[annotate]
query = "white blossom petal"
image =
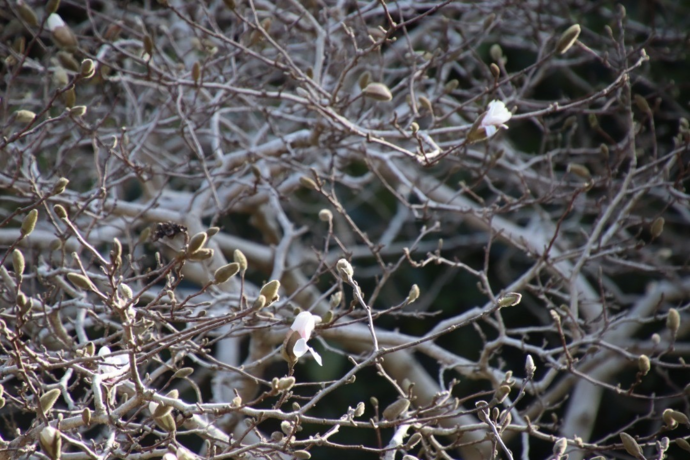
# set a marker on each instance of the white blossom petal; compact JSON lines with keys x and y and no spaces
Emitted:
{"x":300,"y":348}
{"x":490,"y":130}
{"x":497,"y":115}
{"x":316,"y":356}
{"x":304,"y":324}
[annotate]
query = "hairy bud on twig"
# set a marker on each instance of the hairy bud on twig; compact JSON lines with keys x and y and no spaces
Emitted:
{"x":49,"y":399}
{"x":286,"y":383}
{"x":396,"y":409}
{"x":226,"y":272}
{"x":378,"y":92}
{"x":86,"y":416}
{"x":501,"y":394}
{"x":359,"y":410}
{"x":197,"y":242}
{"x":60,"y":186}
{"x":683,"y":444}
{"x":579,"y":170}
{"x":643,"y":364}
{"x":495,"y":70}
{"x":631,"y":446}
{"x":259,"y":303}
{"x":307,"y":182}
{"x":18,"y":263}
{"x":414,"y":294}
{"x":344,"y":269}
{"x":530,"y":367}
{"x":239,"y":257}
{"x":559,"y":446}
{"x":509,"y":299}
{"x":78,"y":111}
{"x":24,"y":116}
{"x":29,"y":223}
{"x":325,"y":215}
{"x":27,"y":14}
{"x":52,"y":6}
{"x":568,"y":39}
{"x":88,"y":69}
{"x":301,"y":454}
{"x":80,"y":281}
{"x":496,"y":52}
{"x":51,"y":442}
{"x":270,"y":291}
{"x":364,"y":79}
{"x":673,"y":321}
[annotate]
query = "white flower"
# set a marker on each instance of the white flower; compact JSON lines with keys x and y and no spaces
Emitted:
{"x":54,"y":21}
{"x":113,"y":365}
{"x":495,"y":117}
{"x":304,"y":325}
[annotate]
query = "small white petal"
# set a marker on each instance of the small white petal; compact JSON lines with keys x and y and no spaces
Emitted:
{"x":490,"y":130}
{"x":54,"y":21}
{"x":300,"y":348}
{"x":316,"y":356}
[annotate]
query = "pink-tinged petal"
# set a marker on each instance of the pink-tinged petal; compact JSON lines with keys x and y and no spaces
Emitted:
{"x":316,"y":356}
{"x":304,"y":324}
{"x":300,"y":348}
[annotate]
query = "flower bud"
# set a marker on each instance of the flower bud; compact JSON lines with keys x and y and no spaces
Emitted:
{"x":60,"y":186}
{"x":325,"y":215}
{"x":679,"y":417}
{"x":86,"y":416}
{"x":495,"y":70}
{"x":286,"y":427}
{"x":496,"y":52}
{"x":52,"y":6}
{"x":18,"y":262}
{"x":307,"y":182}
{"x":69,"y":97}
{"x":568,"y":39}
{"x":579,"y":170}
{"x":451,"y":86}
{"x":377,"y":92}
{"x":631,"y":446}
{"x":259,"y":303}
{"x":643,"y":364}
{"x":301,"y":454}
{"x":239,"y":257}
{"x":62,"y":34}
{"x":51,"y":442}
{"x":88,"y":69}
{"x":48,"y":400}
{"x":642,"y":104}
{"x":530,"y":367}
{"x":286,"y":383}
{"x":364,"y":79}
{"x":183,"y":373}
{"x":78,"y":111}
{"x":683,"y":444}
{"x":196,"y":242}
{"x":60,"y":211}
{"x":673,"y":321}
{"x":270,"y":291}
{"x":414,"y":294}
{"x":29,"y":223}
{"x":502,"y":393}
{"x":24,"y":116}
{"x":80,"y":281}
{"x":396,"y":409}
{"x":344,"y":269}
{"x":559,"y":446}
{"x":226,"y":272}
{"x":359,"y":410}
{"x":236,"y":402}
{"x":509,"y":299}
{"x":413,"y":441}
{"x":27,"y":13}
